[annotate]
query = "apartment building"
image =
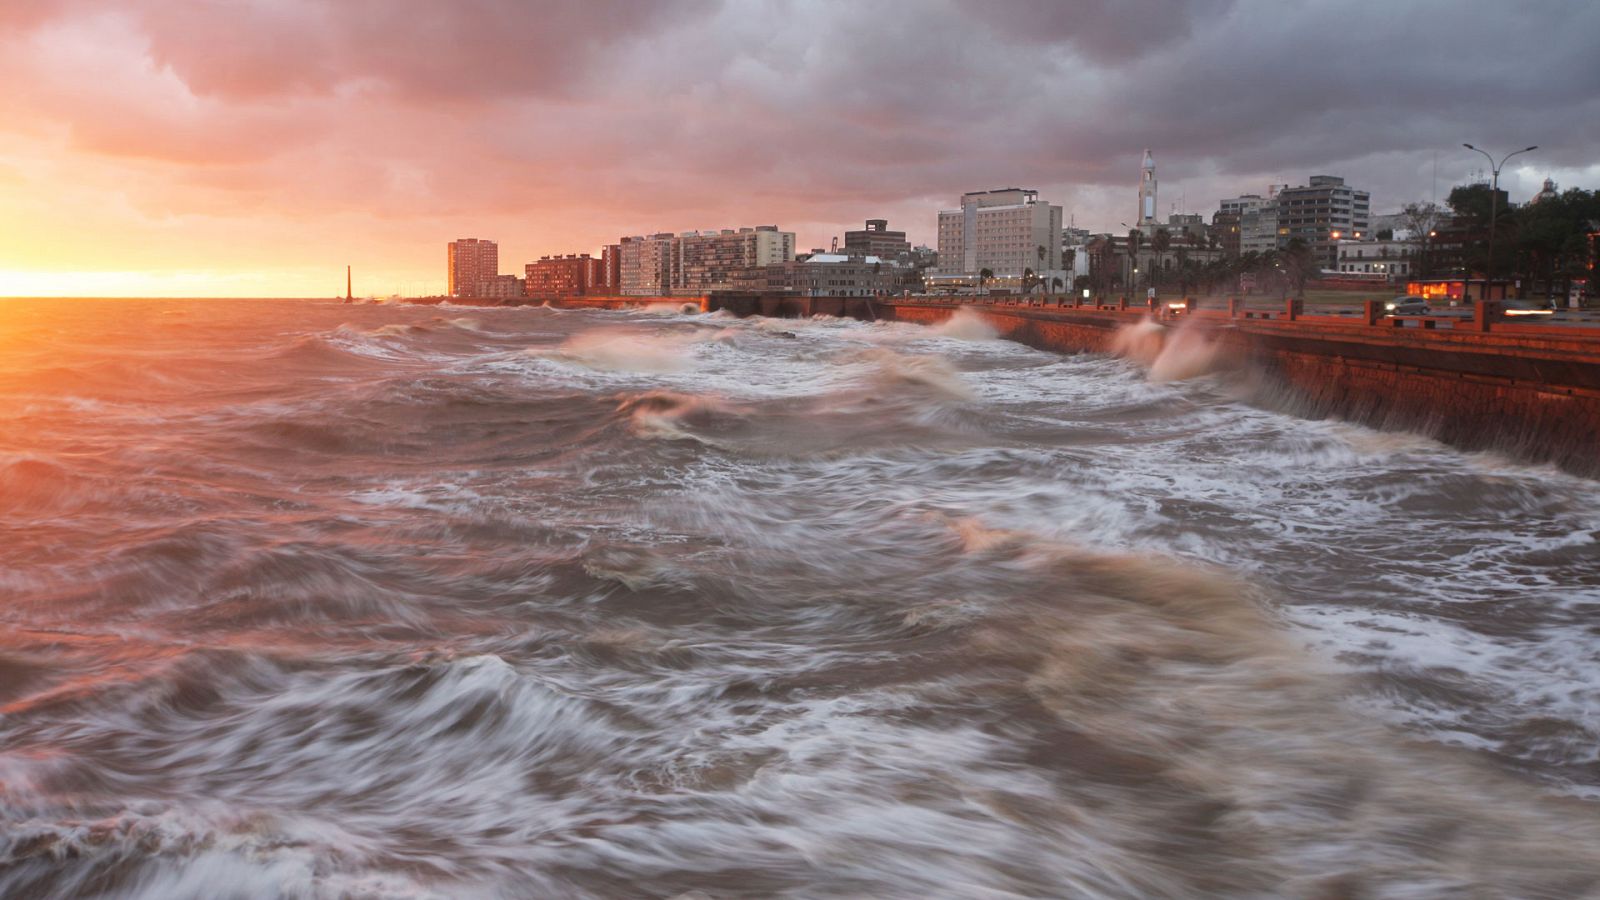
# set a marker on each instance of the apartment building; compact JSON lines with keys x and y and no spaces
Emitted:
{"x":499,"y":287}
{"x":611,"y":268}
{"x":1323,"y":213}
{"x":1005,"y":231}
{"x":697,"y":262}
{"x":645,"y":264}
{"x":827,"y":275}
{"x":470,"y":261}
{"x":877,"y":240}
{"x":1391,"y":258}
{"x":572,"y":275}
{"x":1247,"y":223}
{"x":709,"y":260}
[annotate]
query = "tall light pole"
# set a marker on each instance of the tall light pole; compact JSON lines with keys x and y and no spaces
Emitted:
{"x":1133,"y":253}
{"x":1494,"y":206}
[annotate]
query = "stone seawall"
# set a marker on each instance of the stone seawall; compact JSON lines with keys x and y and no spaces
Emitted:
{"x":1529,"y":390}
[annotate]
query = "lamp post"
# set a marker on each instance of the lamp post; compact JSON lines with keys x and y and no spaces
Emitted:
{"x":1494,"y":207}
{"x":1133,"y":253}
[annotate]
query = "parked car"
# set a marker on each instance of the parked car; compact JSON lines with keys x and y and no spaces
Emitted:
{"x":1407,"y":305}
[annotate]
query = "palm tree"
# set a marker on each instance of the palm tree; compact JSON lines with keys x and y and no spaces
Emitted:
{"x":983,"y":277}
{"x":1056,"y":283}
{"x":1247,"y":263}
{"x":1135,"y":238}
{"x":1299,"y":263}
{"x":1041,"y":251}
{"x":1190,"y":273}
{"x":1160,"y":244}
{"x":1028,"y":281}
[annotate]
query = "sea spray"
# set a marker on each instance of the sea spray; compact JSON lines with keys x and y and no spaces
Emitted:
{"x":670,"y":308}
{"x":1167,"y":353}
{"x":1141,"y":342}
{"x":1187,"y":353}
{"x":966,"y":325}
{"x":628,"y":350}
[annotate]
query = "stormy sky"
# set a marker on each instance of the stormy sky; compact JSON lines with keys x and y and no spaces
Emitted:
{"x":257,"y":146}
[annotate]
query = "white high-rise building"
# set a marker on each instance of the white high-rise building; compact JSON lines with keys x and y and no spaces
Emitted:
{"x":645,"y":267}
{"x":1005,"y":231}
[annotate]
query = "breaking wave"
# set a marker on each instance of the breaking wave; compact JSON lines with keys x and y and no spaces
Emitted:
{"x":622,"y":350}
{"x":1168,"y":354}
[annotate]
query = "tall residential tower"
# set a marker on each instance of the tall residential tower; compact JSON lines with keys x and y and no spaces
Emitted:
{"x":472,"y":261}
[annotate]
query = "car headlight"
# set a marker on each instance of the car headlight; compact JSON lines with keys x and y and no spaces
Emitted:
{"x":1389,"y":307}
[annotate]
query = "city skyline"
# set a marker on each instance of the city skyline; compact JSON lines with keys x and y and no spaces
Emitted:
{"x":258,"y":150}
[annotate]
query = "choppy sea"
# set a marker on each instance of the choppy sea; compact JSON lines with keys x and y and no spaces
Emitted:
{"x":304,"y":599}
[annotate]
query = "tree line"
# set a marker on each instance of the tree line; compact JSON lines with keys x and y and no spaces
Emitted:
{"x":1545,"y":244}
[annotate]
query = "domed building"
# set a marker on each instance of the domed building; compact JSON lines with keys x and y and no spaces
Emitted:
{"x":1547,"y":192}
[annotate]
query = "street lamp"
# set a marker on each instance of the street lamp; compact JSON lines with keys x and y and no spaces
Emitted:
{"x":1494,"y":206}
{"x":1131,"y":269}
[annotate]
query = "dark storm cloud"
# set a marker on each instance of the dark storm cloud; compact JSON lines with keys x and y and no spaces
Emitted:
{"x":641,"y":114}
{"x":1102,"y":31}
{"x":462,"y":49}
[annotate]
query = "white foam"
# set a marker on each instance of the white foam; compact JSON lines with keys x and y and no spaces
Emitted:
{"x":618,"y":350}
{"x":966,"y":325}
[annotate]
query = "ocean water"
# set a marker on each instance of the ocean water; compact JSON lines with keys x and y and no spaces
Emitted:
{"x":301,"y":599}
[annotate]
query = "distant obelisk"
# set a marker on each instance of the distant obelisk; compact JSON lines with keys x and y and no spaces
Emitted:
{"x":348,"y":297}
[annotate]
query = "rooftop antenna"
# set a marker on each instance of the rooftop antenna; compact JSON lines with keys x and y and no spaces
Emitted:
{"x":1435,"y":198}
{"x":347,"y":295}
